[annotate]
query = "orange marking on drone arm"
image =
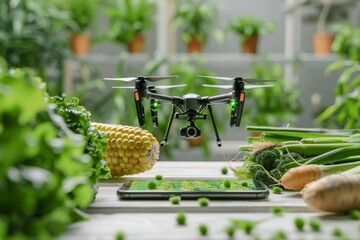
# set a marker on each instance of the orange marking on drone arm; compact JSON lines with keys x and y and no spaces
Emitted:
{"x":242,"y":97}
{"x":137,"y":98}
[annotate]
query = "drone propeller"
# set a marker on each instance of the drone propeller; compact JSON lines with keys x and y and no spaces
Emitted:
{"x":247,"y":80}
{"x":128,"y":87}
{"x":231,"y":86}
{"x":128,"y":79}
{"x":157,"y":87}
{"x":169,"y":86}
{"x":148,"y":78}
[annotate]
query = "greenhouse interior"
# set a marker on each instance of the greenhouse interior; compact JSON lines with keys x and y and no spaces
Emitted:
{"x":179,"y":119}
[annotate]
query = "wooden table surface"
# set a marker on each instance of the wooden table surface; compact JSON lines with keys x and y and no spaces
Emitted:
{"x":156,"y":219}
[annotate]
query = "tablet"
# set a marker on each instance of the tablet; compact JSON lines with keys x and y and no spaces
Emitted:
{"x":192,"y":189}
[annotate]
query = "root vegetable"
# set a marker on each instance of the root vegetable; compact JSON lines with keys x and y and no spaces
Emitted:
{"x":334,"y":193}
{"x":296,"y":178}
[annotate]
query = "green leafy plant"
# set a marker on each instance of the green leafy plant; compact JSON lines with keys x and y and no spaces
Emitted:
{"x":345,"y":112}
{"x":46,"y":182}
{"x":196,"y":19}
{"x":77,"y":118}
{"x":30,"y":36}
{"x":250,"y":26}
{"x":127,"y":18}
{"x":346,"y":43}
{"x":272,"y":106}
{"x":82,"y":13}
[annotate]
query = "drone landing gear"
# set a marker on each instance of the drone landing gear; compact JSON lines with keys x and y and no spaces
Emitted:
{"x":218,"y":141}
{"x":165,"y":141}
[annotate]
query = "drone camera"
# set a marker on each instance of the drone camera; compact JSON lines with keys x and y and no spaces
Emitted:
{"x":190,"y":132}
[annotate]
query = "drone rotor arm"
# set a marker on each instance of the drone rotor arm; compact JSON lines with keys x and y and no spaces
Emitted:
{"x":160,"y":97}
{"x":219,"y":98}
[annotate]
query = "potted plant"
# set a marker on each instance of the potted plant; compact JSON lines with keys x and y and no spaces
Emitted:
{"x":274,"y":106}
{"x":128,"y":20}
{"x":322,"y":39}
{"x":196,"y":19}
{"x":248,"y":29}
{"x":82,"y":13}
{"x":323,"y":12}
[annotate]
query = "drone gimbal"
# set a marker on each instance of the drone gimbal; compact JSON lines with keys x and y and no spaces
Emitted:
{"x":190,"y":107}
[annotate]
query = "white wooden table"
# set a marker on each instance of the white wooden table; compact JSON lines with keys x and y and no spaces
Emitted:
{"x":157,"y":219}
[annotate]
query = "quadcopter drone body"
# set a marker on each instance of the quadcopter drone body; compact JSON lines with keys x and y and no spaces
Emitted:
{"x":190,"y":107}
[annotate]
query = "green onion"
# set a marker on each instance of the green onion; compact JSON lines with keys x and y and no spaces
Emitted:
{"x":312,"y":150}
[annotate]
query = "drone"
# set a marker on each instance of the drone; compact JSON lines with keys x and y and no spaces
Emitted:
{"x":190,"y":107}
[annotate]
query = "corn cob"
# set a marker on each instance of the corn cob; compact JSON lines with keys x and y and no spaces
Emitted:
{"x":129,"y":149}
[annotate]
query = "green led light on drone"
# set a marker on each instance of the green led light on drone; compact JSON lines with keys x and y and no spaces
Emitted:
{"x":233,"y":103}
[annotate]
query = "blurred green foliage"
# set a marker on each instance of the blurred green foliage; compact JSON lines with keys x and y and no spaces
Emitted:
{"x":196,"y":19}
{"x":127,"y":18}
{"x":30,"y":36}
{"x":249,"y":26}
{"x":345,"y":112}
{"x":273,"y":106}
{"x":43,"y":169}
{"x":82,"y":13}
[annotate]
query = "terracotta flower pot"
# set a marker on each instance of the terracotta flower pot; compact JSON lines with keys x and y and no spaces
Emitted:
{"x":194,"y":46}
{"x":250,"y":45}
{"x":80,"y":44}
{"x":137,"y":44}
{"x":322,"y":43}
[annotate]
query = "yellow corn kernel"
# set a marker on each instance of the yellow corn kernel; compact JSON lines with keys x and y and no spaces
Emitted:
{"x":124,"y":143}
{"x":133,"y":160}
{"x":147,"y":144}
{"x":145,"y":138}
{"x":121,"y":152}
{"x":136,"y":153}
{"x":131,"y":144}
{"x":128,"y":152}
{"x":118,"y":142}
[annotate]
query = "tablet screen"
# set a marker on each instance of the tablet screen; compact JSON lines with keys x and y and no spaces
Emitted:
{"x":195,"y":185}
